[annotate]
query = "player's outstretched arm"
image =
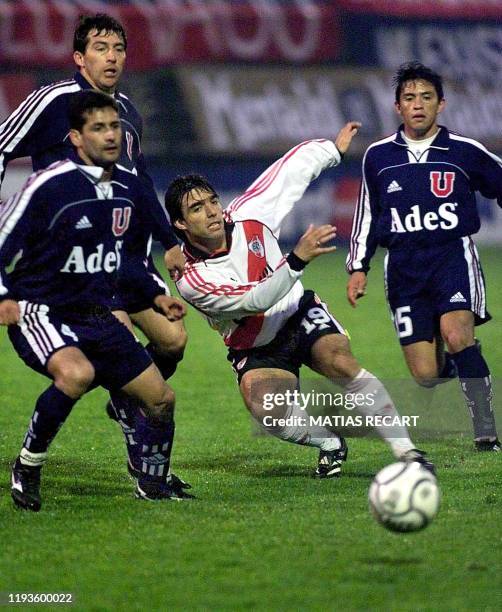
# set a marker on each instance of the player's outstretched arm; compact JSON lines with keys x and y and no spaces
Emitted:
{"x":311,"y":243}
{"x":345,"y":136}
{"x":356,"y":287}
{"x":9,"y":312}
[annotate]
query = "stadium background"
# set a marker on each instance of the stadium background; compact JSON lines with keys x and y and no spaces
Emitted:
{"x":224,"y":88}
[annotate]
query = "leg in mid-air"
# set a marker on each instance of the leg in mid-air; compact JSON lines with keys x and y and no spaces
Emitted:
{"x":166,"y":347}
{"x":72,"y":374}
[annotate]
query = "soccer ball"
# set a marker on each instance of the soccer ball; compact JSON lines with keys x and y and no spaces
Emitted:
{"x":404,"y":497}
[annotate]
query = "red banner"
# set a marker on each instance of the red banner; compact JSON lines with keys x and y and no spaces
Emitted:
{"x":41,"y":33}
{"x":453,"y":9}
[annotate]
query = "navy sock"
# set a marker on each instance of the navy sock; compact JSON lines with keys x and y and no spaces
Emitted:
{"x":167,"y":364}
{"x":152,"y":453}
{"x":125,"y":408}
{"x":51,"y":410}
{"x":449,"y":369}
{"x":476,"y":384}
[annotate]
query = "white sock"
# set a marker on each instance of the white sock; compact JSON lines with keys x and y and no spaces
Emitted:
{"x":301,"y":432}
{"x":396,"y":436}
{"x":26,"y":457}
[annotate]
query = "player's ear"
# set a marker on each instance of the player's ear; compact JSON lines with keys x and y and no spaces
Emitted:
{"x":441,"y":106}
{"x":78,"y":58}
{"x":76,"y":138}
{"x":179,"y":224}
{"x":397,"y":107}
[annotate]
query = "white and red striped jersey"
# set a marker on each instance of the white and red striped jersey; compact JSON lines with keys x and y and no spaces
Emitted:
{"x":248,"y":292}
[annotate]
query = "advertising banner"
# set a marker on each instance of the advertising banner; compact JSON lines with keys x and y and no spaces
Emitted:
{"x":257,"y":111}
{"x":410,"y":9}
{"x":166,"y":32}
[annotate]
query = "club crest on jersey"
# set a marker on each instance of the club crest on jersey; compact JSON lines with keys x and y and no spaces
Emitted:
{"x":442,"y":183}
{"x":121,"y":218}
{"x":256,"y":247}
{"x":129,"y":142}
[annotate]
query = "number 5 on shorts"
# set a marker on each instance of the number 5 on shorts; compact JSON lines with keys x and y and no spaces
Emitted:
{"x":403,"y":323}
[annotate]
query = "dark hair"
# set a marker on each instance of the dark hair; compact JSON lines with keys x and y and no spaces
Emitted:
{"x":413,"y":71}
{"x":85,"y":101}
{"x":176,"y":192}
{"x":99,"y":22}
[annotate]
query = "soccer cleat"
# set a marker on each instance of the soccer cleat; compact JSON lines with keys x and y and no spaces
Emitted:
{"x":25,"y":489}
{"x":110,"y":411}
{"x":329,"y":464}
{"x":136,"y":474}
{"x":171,"y":489}
{"x":419,"y":456}
{"x":488,"y":446}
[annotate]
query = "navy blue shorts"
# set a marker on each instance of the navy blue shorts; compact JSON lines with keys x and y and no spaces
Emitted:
{"x":114,"y":352}
{"x":128,"y":298}
{"x":292,"y":346}
{"x":424,"y":284}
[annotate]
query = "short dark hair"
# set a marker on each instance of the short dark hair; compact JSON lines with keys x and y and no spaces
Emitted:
{"x":101,"y":22}
{"x":83,"y":102}
{"x":412,"y":71}
{"x":177,"y":190}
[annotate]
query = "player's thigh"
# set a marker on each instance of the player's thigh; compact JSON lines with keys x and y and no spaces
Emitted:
{"x":70,"y":364}
{"x":167,"y":336}
{"x":332,"y":357}
{"x":265,"y":391}
{"x":150,"y":388}
{"x":457,"y":329}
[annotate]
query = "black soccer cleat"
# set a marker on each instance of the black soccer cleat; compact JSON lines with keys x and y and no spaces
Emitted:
{"x":419,"y":456}
{"x":488,"y":446}
{"x":329,"y":464}
{"x":171,"y":489}
{"x":25,"y":488}
{"x":136,"y":474}
{"x":110,"y":411}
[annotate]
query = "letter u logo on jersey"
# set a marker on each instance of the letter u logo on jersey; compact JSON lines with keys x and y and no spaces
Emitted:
{"x":121,"y":218}
{"x":442,"y":183}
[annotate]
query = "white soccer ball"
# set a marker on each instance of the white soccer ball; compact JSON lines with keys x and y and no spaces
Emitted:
{"x":404,"y":497}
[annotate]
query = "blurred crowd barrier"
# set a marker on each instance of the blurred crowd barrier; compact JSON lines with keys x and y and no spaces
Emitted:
{"x":225,"y":87}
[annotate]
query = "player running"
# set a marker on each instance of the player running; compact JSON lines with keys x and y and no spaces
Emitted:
{"x":77,"y":224}
{"x":237,"y":276}
{"x":417,"y":199}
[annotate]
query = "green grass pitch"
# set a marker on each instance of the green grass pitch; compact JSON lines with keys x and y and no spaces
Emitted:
{"x":262,"y":534}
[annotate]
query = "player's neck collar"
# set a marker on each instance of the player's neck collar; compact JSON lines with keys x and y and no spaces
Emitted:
{"x":195,"y":253}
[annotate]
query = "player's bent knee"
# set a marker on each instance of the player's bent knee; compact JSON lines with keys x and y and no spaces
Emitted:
{"x":458,"y":339}
{"x":74,"y":378}
{"x":425,"y":375}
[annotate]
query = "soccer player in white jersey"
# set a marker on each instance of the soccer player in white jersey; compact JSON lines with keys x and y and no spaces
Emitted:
{"x":237,"y":276}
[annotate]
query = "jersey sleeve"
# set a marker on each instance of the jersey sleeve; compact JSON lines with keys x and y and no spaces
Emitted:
{"x":213,"y":294}
{"x":155,"y":218}
{"x":19,"y":223}
{"x":37,"y":126}
{"x":486,"y":174}
{"x":274,"y":193}
{"x":363,"y":237}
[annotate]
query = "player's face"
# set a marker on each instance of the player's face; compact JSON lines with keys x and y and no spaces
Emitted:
{"x":419,"y":107}
{"x":98,"y":144}
{"x":203,"y":219}
{"x":103,"y":60}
